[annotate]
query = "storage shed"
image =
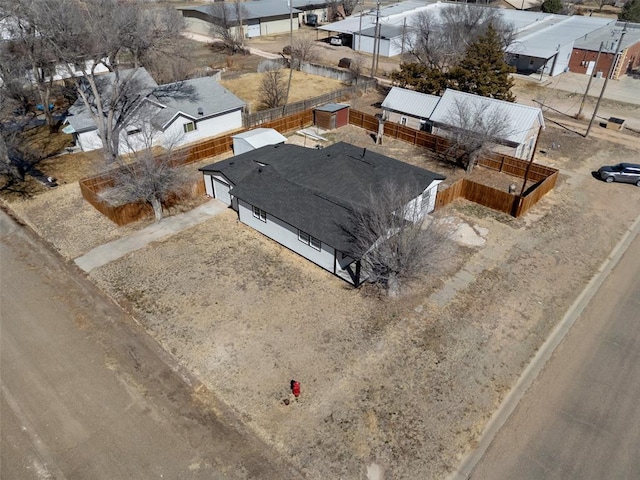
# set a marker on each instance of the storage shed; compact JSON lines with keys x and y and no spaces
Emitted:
{"x":256,"y":138}
{"x":331,"y":115}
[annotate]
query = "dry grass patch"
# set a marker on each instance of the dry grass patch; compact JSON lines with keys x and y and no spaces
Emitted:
{"x":303,"y":86}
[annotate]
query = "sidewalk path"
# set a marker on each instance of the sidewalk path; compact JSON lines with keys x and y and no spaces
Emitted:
{"x":167,"y":227}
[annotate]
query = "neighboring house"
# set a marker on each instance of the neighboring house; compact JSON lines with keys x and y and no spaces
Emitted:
{"x":410,"y":108}
{"x":304,"y":198}
{"x":263,"y":17}
{"x":523,"y":122}
{"x":439,"y":115}
{"x":256,"y":138}
{"x":168,"y":115}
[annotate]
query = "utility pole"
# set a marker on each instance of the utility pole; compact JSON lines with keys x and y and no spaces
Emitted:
{"x":606,"y":80}
{"x":586,"y":92}
{"x":376,"y":39}
{"x":286,"y":98}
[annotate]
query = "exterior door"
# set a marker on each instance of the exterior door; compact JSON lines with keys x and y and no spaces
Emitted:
{"x":253,"y":30}
{"x":590,"y":66}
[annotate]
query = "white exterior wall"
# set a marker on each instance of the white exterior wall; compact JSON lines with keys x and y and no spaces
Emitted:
{"x":208,"y":185}
{"x":286,"y":235}
{"x":561,"y":63}
{"x":240,"y":145}
{"x":416,"y":208}
{"x":366,"y":43}
{"x":411,"y":121}
{"x":209,"y":127}
{"x":270,"y":27}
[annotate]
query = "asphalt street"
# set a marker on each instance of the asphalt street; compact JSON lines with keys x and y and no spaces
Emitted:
{"x":87,"y":394}
{"x":581,"y":417}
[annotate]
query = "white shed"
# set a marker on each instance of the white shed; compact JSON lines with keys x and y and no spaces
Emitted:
{"x":256,"y":138}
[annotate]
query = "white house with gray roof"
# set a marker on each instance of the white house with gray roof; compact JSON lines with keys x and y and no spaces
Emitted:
{"x":304,"y":198}
{"x":167,"y":115}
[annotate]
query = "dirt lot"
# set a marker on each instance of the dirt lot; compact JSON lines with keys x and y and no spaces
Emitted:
{"x":404,"y":384}
{"x":247,"y":87}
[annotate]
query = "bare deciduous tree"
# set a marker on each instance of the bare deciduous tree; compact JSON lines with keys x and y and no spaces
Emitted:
{"x":303,"y":50}
{"x":394,"y":237}
{"x":148,"y":177}
{"x":84,"y":34}
{"x":440,"y":42}
{"x":474,"y":129}
{"x":357,"y":66}
{"x":273,"y":88}
{"x":227,"y":24}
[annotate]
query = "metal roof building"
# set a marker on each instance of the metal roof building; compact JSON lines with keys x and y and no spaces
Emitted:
{"x":519,"y":117}
{"x":414,"y":103}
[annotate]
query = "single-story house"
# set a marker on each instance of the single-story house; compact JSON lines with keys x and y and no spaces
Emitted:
{"x":168,"y":115}
{"x":439,"y":115}
{"x":522,"y":122}
{"x":259,"y":18}
{"x":410,"y":108}
{"x":304,"y":198}
{"x":256,"y":138}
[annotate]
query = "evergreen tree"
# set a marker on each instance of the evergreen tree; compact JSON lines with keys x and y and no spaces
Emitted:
{"x":630,"y":11}
{"x":420,"y":78}
{"x":551,"y":6}
{"x":483,"y":70}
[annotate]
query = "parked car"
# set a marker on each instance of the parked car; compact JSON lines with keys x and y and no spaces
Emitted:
{"x":623,"y":172}
{"x":336,"y":41}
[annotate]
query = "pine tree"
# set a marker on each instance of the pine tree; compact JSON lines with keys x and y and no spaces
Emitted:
{"x":483,"y":70}
{"x":551,"y":6}
{"x":420,"y":78}
{"x":631,"y":11}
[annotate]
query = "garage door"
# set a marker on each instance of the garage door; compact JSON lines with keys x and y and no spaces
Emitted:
{"x":221,"y":191}
{"x":253,"y":30}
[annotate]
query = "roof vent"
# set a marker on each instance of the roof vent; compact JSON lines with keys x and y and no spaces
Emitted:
{"x":200,"y":111}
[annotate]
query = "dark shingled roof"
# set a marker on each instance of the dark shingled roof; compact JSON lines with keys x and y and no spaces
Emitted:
{"x":316,"y":190}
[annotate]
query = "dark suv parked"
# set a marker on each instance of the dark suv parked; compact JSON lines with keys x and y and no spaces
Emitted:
{"x":623,"y":172}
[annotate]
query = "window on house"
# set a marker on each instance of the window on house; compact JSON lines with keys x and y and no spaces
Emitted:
{"x":309,"y":240}
{"x":189,"y":127}
{"x":315,"y":243}
{"x":260,"y":214}
{"x":403,"y":120}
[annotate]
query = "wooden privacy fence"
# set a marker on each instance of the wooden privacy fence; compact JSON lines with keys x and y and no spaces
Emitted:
{"x":132,"y":212}
{"x":265,"y":116}
{"x":544,"y":177}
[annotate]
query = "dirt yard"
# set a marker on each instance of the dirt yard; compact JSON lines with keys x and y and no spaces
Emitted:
{"x":404,"y":384}
{"x":247,"y":87}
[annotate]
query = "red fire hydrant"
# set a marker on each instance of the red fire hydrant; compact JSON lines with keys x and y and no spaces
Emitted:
{"x":295,"y":388}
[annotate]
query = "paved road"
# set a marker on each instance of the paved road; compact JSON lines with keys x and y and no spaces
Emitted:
{"x":581,"y":418}
{"x":86,"y":394}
